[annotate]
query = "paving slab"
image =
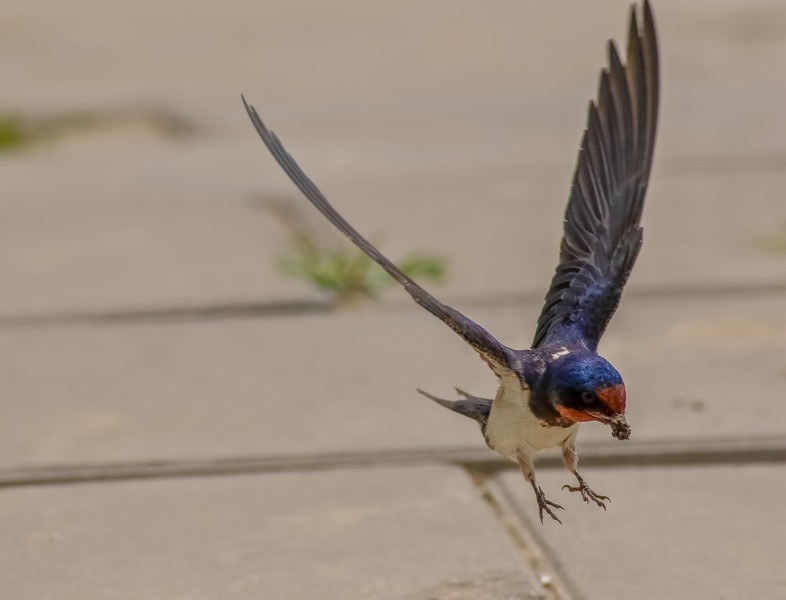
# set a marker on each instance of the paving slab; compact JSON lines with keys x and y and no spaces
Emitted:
{"x":134,"y":230}
{"x":713,"y":533}
{"x":415,"y":534}
{"x":183,"y":226}
{"x":294,"y":53}
{"x":696,"y":368}
{"x":447,"y":153}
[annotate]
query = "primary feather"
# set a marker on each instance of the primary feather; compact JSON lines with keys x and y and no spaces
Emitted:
{"x":602,"y":234}
{"x":497,"y":355}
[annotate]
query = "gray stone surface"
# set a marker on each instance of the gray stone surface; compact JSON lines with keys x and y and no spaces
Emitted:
{"x":465,"y":151}
{"x":140,"y":227}
{"x":386,"y":533}
{"x":179,"y":225}
{"x":275,"y":386}
{"x":448,"y":126}
{"x":702,"y":367}
{"x":692,"y":532}
{"x":303,"y":54}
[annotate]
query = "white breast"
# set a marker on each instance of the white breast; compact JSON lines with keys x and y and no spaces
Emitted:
{"x":512,"y":426}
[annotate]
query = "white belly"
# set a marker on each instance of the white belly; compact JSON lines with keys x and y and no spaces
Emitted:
{"x":512,"y":426}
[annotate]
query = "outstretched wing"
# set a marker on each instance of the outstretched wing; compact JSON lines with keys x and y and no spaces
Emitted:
{"x":602,"y":233}
{"x":477,"y":337}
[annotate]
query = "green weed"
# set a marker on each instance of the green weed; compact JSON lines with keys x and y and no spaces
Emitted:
{"x":12,"y":132}
{"x":773,"y":242}
{"x":343,"y":271}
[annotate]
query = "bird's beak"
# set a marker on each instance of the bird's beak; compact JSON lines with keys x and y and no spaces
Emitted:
{"x":613,"y":398}
{"x":619,"y":426}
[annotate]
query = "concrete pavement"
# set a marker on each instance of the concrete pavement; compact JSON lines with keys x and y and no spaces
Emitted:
{"x":687,"y":532}
{"x":182,"y":421}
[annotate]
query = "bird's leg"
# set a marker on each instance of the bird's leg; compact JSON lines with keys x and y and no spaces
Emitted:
{"x":571,"y":460}
{"x":528,"y":470}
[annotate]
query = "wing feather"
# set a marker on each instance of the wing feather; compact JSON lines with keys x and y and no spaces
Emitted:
{"x":602,"y":234}
{"x":482,"y":341}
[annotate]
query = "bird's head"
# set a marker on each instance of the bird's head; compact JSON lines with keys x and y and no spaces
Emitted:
{"x":583,"y":386}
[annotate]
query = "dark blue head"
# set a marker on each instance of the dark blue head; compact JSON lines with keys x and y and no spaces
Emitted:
{"x":583,"y":386}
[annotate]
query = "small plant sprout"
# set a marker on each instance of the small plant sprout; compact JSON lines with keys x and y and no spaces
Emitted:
{"x":18,"y":130}
{"x":775,"y":241}
{"x":12,"y":132}
{"x":339,"y":269}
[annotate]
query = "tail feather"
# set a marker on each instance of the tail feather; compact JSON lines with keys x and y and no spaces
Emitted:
{"x":475,"y":408}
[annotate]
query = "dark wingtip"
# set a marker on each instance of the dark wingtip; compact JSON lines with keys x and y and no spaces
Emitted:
{"x":249,"y":108}
{"x":647,"y":11}
{"x":614,"y":56}
{"x":262,"y":130}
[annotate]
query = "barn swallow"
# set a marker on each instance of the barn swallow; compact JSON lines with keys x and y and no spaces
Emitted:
{"x":547,"y":391}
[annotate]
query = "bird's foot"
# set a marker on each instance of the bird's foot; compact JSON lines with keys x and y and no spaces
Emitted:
{"x":587,"y":493}
{"x":545,"y":505}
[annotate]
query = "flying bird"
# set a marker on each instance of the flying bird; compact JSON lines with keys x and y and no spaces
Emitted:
{"x":547,"y":391}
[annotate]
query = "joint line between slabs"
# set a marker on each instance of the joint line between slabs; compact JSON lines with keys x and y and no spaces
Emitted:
{"x":548,"y":577}
{"x":643,"y":454}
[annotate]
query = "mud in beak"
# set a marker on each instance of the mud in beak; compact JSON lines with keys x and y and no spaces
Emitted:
{"x":619,"y":426}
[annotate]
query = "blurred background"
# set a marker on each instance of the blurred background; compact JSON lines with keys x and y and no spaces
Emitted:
{"x":147,"y":318}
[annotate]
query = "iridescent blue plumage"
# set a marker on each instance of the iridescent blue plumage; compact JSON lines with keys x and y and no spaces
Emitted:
{"x":581,"y":371}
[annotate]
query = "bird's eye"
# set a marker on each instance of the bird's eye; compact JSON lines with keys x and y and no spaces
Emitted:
{"x":587,"y":397}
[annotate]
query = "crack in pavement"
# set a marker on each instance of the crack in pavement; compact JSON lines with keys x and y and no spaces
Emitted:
{"x":548,"y":583}
{"x":301,"y":306}
{"x":478,"y":459}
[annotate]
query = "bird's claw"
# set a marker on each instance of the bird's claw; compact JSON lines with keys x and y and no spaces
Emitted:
{"x":544,"y":504}
{"x":587,"y":494}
